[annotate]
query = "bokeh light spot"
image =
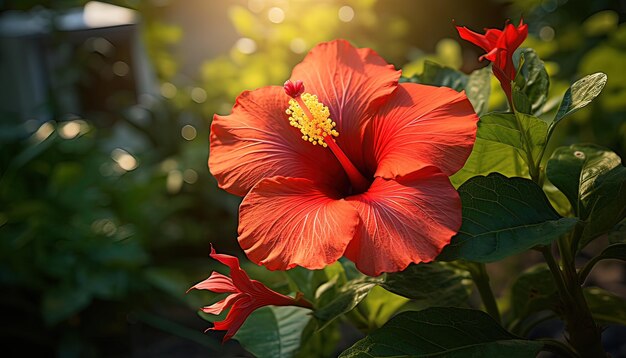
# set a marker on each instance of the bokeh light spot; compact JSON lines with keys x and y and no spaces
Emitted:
{"x":297,"y":45}
{"x":168,"y":90}
{"x":70,"y":129}
{"x":44,"y":131}
{"x":124,"y":159}
{"x":188,"y":132}
{"x":198,"y":95}
{"x":174,"y":181}
{"x":120,"y":68}
{"x":546,"y":33}
{"x":246,"y":45}
{"x":276,"y":15}
{"x":346,"y":13}
{"x":190,"y":176}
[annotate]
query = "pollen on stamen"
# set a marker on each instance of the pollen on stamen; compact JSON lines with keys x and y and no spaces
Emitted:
{"x":315,"y":129}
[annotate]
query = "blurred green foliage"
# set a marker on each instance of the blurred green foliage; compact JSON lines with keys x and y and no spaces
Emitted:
{"x":102,"y":227}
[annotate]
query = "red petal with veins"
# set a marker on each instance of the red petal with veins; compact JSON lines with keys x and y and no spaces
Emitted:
{"x":420,"y":126}
{"x":217,"y":283}
{"x":218,"y":307}
{"x":487,"y":41}
{"x":407,"y":220}
{"x":256,"y":141}
{"x":239,"y":312}
{"x":284,"y":222}
{"x":352,"y":83}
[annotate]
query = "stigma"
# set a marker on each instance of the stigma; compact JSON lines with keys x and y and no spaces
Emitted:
{"x":313,"y":120}
{"x":309,"y":115}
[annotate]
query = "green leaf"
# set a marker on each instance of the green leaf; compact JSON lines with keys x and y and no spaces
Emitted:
{"x":533,"y":291}
{"x":580,"y":94}
{"x":605,"y":307}
{"x":435,"y":74}
{"x":379,"y":305}
{"x":537,"y":81}
{"x":319,"y":343}
{"x":302,"y":280}
{"x":433,"y":284}
{"x":502,"y":217}
{"x":520,"y":101}
{"x":478,"y":88}
{"x":615,"y":252}
{"x":477,"y":85}
{"x":594,"y":181}
{"x":488,"y":157}
{"x":442,"y":332}
{"x":525,"y":133}
{"x":273,"y":331}
{"x":343,"y":300}
{"x":618,"y":233}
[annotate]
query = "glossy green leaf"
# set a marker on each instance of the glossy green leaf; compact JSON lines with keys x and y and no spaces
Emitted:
{"x":379,"y":305}
{"x":433,"y":284}
{"x":605,"y":307}
{"x":274,"y":331}
{"x":525,"y":133}
{"x":533,"y":291}
{"x":442,"y":332}
{"x":489,"y":157}
{"x":343,"y":299}
{"x":435,"y":74}
{"x":594,"y":182}
{"x":520,"y":101}
{"x":503,"y":217}
{"x":316,"y":343}
{"x":580,"y":94}
{"x":478,"y":88}
{"x":537,"y":81}
{"x":476,"y":85}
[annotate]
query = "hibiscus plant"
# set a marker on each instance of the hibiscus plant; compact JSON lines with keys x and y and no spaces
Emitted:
{"x":380,"y":199}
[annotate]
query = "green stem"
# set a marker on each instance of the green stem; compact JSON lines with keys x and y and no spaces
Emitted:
{"x":583,"y":332}
{"x":554,"y":269}
{"x":481,"y":279}
{"x":584,"y":272}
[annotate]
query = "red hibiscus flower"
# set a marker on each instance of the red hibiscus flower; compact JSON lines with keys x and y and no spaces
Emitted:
{"x":499,"y":45}
{"x":246,"y":295}
{"x":357,"y":165}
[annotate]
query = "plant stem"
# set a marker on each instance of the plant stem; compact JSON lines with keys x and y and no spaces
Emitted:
{"x":555,"y":269}
{"x":583,"y":332}
{"x":481,"y":279}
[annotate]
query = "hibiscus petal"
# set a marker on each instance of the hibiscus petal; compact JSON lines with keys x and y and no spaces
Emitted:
{"x":407,"y":220}
{"x":284,"y":222}
{"x":218,"y":307}
{"x":486,"y":41}
{"x":351,"y":82}
{"x":217,"y":283}
{"x":421,"y":126}
{"x":256,"y":141}
{"x":239,"y":312}
{"x":240,"y":278}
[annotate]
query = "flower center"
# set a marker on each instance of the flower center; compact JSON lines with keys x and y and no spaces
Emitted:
{"x":313,"y":120}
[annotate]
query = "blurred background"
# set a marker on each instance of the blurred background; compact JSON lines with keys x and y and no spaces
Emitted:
{"x":107,"y":207}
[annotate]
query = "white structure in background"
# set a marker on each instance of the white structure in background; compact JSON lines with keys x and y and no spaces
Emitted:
{"x":36,"y":45}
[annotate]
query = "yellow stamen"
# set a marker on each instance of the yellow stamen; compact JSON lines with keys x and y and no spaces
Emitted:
{"x":311,"y":117}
